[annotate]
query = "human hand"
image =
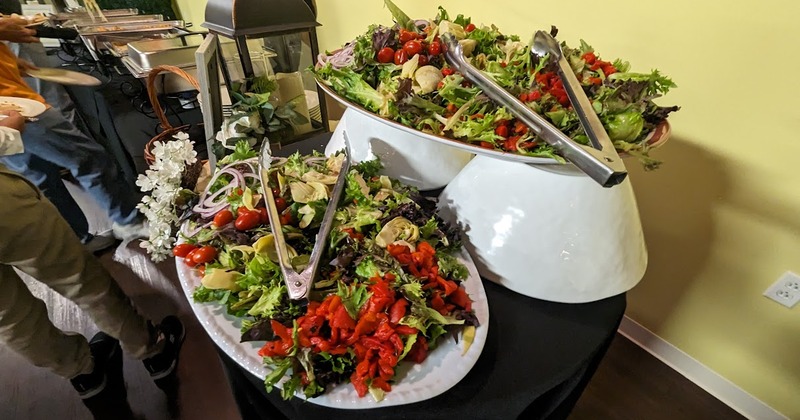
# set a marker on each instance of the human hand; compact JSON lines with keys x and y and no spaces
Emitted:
{"x":13,"y":119}
{"x":14,"y":30}
{"x":25,"y":66}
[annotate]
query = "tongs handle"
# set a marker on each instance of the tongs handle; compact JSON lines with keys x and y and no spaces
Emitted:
{"x":583,"y":107}
{"x":605,"y":169}
{"x":264,"y":163}
{"x":330,"y":212}
{"x":298,"y":285}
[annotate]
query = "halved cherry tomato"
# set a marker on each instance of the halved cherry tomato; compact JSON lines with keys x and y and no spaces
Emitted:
{"x":189,"y":258}
{"x":264,"y":216}
{"x":487,"y":145}
{"x":281,"y":204}
{"x":406,"y":36}
{"x":400,"y":57}
{"x":412,"y":48}
{"x":435,"y":48}
{"x":248,"y":220}
{"x":523,"y":97}
{"x":501,"y":130}
{"x":204,"y":255}
{"x":286,"y":217}
{"x":385,"y":55}
{"x":182,"y":250}
{"x":469,"y":28}
{"x":223,"y":218}
{"x":534,"y":96}
{"x":447,"y":71}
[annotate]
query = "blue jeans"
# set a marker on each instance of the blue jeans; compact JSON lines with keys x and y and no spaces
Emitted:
{"x":53,"y":143}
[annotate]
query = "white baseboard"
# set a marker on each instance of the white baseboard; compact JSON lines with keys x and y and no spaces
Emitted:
{"x":721,"y":388}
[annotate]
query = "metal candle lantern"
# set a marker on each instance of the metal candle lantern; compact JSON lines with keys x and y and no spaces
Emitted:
{"x":276,"y":38}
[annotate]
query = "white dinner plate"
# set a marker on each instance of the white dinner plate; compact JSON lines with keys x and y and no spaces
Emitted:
{"x":64,"y":77}
{"x":443,"y":369}
{"x":27,"y":107}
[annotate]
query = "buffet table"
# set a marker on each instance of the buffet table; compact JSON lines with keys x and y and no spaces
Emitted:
{"x":536,"y":362}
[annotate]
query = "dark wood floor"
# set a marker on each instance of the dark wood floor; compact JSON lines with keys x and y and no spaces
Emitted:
{"x":631,"y":384}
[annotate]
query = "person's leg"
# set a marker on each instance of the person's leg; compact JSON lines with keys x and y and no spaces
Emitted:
{"x":40,"y":243}
{"x":47,"y":177}
{"x":58,"y":141}
{"x":26,"y":329}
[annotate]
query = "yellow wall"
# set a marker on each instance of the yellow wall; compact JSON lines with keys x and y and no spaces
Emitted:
{"x":722,"y":217}
{"x":193,"y":11}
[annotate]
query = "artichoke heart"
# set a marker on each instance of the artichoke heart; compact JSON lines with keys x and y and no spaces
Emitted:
{"x":306,"y":192}
{"x":398,"y":229}
{"x":221,"y":279}
{"x":314,"y":176}
{"x":308,"y":213}
{"x":334,"y":163}
{"x":447,"y":27}
{"x":266,"y":246}
{"x":426,"y":79}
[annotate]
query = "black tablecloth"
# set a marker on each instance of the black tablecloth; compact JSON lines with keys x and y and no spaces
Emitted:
{"x":537,"y":360}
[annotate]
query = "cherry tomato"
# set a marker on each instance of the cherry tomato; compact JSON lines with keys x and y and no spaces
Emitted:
{"x":262,"y":212}
{"x":400,"y":57}
{"x":202,"y":270}
{"x":435,"y":48}
{"x":406,"y":36}
{"x":523,"y":97}
{"x":204,"y":255}
{"x":447,"y":71}
{"x":286,"y":218}
{"x":248,"y":220}
{"x":281,"y":204}
{"x":423,"y":60}
{"x":501,"y":130}
{"x":276,"y":192}
{"x":589,"y":57}
{"x":189,"y":259}
{"x":486,"y":145}
{"x":412,"y":48}
{"x":469,"y":28}
{"x":534,"y":96}
{"x":183,"y":250}
{"x":223,"y":218}
{"x":385,"y":55}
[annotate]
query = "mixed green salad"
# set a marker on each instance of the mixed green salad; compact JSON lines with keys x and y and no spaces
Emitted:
{"x":389,"y":288}
{"x":399,"y":72}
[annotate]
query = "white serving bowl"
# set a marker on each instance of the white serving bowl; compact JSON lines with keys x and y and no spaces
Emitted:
{"x":415,"y":161}
{"x":548,"y":232}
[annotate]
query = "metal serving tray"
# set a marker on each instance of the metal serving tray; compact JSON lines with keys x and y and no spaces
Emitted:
{"x":60,"y":18}
{"x":87,"y":23}
{"x":113,"y":28}
{"x":178,"y":51}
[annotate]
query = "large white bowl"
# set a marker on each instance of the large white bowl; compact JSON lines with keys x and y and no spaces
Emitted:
{"x":405,"y":156}
{"x":548,"y":232}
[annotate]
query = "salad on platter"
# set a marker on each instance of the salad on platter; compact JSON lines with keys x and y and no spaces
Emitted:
{"x":400,"y":73}
{"x":389,"y":288}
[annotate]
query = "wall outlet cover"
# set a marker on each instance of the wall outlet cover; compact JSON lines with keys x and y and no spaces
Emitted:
{"x":786,"y":290}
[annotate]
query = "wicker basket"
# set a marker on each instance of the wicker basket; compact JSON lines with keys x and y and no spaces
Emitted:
{"x":169,"y":130}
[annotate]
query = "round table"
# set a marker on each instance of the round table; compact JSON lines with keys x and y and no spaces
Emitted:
{"x":537,"y":360}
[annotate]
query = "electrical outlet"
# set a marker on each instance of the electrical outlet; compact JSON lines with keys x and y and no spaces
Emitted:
{"x":786,"y":290}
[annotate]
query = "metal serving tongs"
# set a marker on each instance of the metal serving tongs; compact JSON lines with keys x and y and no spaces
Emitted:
{"x":299,"y":284}
{"x":601,"y":163}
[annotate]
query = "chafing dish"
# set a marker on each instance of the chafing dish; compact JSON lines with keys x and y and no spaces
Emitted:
{"x":59,"y":18}
{"x":83,"y":22}
{"x":96,"y":37}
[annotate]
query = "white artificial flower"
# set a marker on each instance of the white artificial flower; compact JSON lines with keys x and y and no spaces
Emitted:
{"x":163,"y":182}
